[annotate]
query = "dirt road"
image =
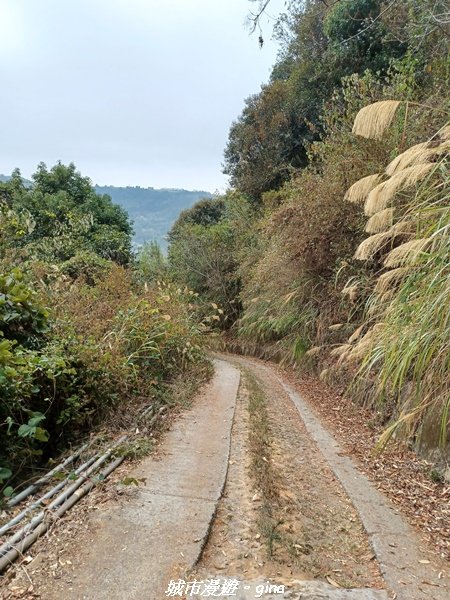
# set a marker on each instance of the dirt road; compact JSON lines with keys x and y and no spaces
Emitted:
{"x":248,"y":490}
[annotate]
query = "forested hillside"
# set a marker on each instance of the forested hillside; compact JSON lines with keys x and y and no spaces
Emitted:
{"x":85,"y":336}
{"x":331,"y":249}
{"x":325,"y":473}
{"x":153,"y":211}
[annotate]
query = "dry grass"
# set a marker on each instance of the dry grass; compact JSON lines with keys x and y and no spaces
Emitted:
{"x":366,"y":343}
{"x":388,"y":280}
{"x":265,"y":478}
{"x":374,"y":244}
{"x":444,"y":133}
{"x":383,"y":194}
{"x":406,"y":254}
{"x":412,"y":156}
{"x":340,"y":350}
{"x":416,"y":155}
{"x":358,"y":192}
{"x":373,"y":120}
{"x":406,"y":359}
{"x":380,"y":221}
{"x":351,"y":291}
{"x":314,"y":351}
{"x":356,"y":334}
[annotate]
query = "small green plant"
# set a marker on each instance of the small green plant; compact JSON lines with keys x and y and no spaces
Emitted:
{"x":32,"y":429}
{"x":436,"y":476}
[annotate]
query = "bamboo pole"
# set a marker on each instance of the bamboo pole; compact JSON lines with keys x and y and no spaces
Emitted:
{"x":7,"y":526}
{"x":147,"y":411}
{"x":157,"y":416}
{"x":35,"y":521}
{"x":24,"y":544}
{"x":34,"y":486}
{"x":28,"y":534}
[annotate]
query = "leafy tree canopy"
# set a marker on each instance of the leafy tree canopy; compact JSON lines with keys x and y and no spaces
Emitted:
{"x":68,"y":216}
{"x":205,"y":212}
{"x":320,"y":45}
{"x":201,"y":255}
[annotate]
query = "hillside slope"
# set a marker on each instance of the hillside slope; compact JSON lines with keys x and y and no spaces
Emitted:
{"x":153,"y":211}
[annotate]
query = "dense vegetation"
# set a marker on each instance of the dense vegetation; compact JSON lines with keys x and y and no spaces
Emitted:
{"x":330,"y":251}
{"x":85,"y":328}
{"x":299,"y":281}
{"x":152,"y":211}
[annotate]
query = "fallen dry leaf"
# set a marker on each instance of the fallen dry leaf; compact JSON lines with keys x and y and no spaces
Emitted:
{"x":332,"y":582}
{"x":398,"y":472}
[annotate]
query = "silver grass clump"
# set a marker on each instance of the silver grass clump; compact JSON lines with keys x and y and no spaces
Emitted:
{"x":390,"y":279}
{"x":351,"y":290}
{"x":444,"y":133}
{"x":380,"y":221}
{"x":412,"y":156}
{"x":341,"y":350}
{"x":424,"y":152}
{"x":374,"y":244}
{"x":406,"y":254}
{"x":373,"y":120}
{"x":314,"y":351}
{"x":364,"y":345}
{"x":356,"y":334}
{"x":324,"y":374}
{"x":382,"y":195}
{"x":358,"y":192}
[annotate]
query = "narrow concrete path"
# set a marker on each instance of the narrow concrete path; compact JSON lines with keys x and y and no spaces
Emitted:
{"x":407,"y":569}
{"x":159,"y":533}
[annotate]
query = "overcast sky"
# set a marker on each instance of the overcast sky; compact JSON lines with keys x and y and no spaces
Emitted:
{"x":135,"y":92}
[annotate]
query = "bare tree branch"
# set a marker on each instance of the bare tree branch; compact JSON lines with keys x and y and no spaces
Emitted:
{"x":254,"y":19}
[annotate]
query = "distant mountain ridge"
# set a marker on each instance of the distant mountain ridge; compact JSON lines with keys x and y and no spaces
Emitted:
{"x":153,"y":211}
{"x":5,"y":178}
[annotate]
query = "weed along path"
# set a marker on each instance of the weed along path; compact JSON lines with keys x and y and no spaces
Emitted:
{"x":248,"y":496}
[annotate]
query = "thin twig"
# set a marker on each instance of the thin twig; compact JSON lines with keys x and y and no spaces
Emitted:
{"x":258,"y":15}
{"x":402,"y":142}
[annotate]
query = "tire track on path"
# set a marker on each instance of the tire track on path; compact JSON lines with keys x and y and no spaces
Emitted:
{"x":408,"y":570}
